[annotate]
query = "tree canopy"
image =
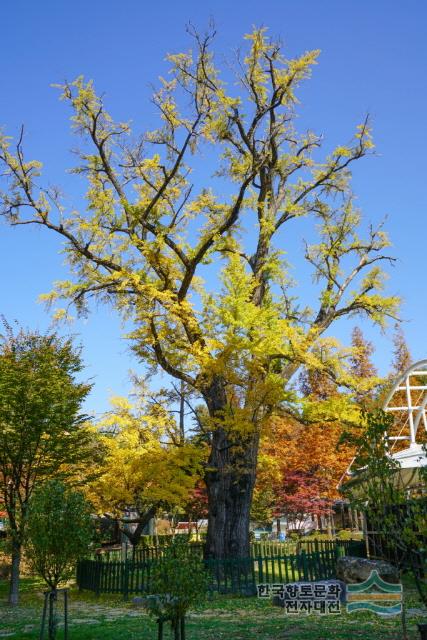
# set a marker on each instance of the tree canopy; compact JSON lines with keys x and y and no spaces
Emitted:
{"x":301,"y":464}
{"x":143,"y":471}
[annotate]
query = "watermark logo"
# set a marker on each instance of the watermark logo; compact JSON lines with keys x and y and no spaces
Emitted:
{"x":376,"y":595}
{"x":326,"y":597}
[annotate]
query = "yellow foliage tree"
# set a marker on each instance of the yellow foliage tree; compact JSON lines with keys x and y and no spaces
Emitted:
{"x":142,"y":470}
{"x":148,"y":232}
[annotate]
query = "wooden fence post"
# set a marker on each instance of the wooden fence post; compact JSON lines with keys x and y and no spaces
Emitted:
{"x":65,"y":614}
{"x":304,"y":565}
{"x":125,"y":575}
{"x":260,"y":571}
{"x":98,"y":577}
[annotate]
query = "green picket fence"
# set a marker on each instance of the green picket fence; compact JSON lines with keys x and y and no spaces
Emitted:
{"x":347,"y":547}
{"x":267,"y":548}
{"x":142,"y":553}
{"x":231,"y":575}
{"x":263,"y":549}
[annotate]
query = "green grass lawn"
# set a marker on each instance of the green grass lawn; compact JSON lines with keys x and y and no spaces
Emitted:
{"x":109,"y":618}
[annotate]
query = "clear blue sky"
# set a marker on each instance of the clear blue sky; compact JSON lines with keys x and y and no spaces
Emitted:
{"x":374,"y":58}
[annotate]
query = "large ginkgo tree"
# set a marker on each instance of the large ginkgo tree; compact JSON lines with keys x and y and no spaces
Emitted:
{"x":195,"y":263}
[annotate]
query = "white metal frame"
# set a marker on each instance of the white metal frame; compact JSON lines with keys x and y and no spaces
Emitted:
{"x":410,"y":414}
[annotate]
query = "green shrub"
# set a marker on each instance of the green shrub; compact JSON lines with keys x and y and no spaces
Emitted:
{"x":293,"y":536}
{"x":349,"y":534}
{"x":178,"y":581}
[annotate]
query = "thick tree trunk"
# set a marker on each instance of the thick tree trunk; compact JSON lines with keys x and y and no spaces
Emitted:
{"x":230,"y":481}
{"x":15,"y":571}
{"x":230,"y":498}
